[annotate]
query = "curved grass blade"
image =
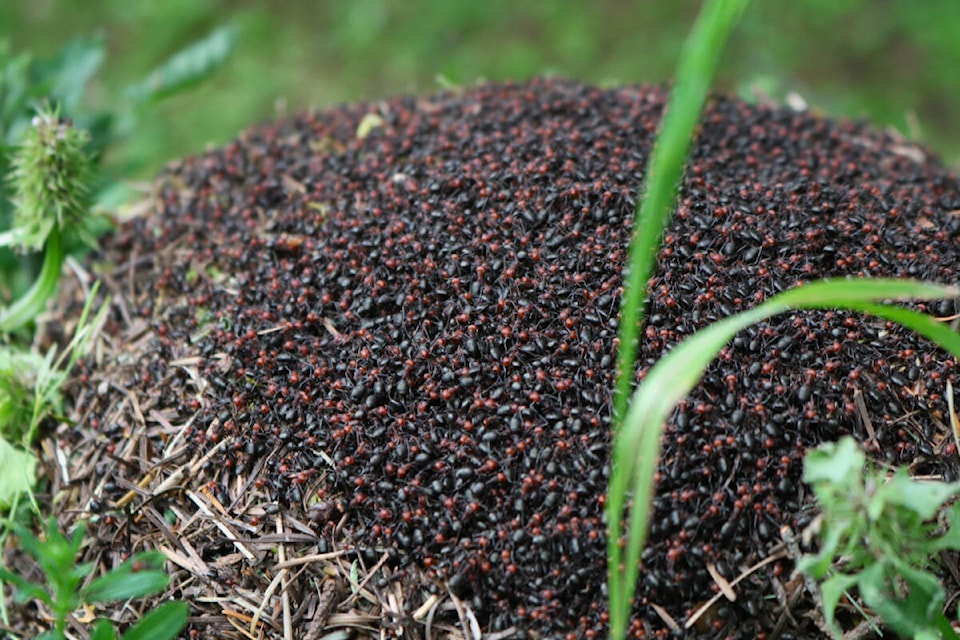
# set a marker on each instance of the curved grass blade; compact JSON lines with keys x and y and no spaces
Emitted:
{"x":636,"y":447}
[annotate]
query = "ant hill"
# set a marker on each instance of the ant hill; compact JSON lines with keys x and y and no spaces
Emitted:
{"x":381,"y":338}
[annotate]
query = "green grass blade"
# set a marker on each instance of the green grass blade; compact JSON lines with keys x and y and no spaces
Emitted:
{"x":636,"y":447}
{"x":695,"y":71}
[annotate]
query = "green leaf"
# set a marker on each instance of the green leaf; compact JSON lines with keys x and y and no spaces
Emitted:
{"x":951,"y":537}
{"x":831,"y":591}
{"x":185,"y":68}
{"x":26,"y":590}
{"x":917,"y":612}
{"x":164,"y":623}
{"x":836,"y":463}
{"x":57,"y":557}
{"x":696,"y":67}
{"x":103,"y":630}
{"x":818,"y":566}
{"x":923,"y":498}
{"x":135,"y":578}
{"x":17,"y":473}
{"x":14,"y":88}
{"x":636,"y":447}
{"x":354,"y":577}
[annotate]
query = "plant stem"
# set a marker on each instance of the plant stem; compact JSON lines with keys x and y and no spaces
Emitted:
{"x":33,"y":302}
{"x":695,"y":70}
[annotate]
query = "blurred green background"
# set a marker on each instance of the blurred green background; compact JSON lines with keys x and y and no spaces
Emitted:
{"x":894,"y":61}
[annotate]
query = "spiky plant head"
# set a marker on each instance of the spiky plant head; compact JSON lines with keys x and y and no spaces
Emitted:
{"x":51,"y":179}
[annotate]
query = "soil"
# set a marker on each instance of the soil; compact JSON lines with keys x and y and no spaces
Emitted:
{"x":358,"y":365}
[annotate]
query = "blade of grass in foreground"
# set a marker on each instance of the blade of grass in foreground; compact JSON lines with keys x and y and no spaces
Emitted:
{"x":636,"y":447}
{"x":695,"y":71}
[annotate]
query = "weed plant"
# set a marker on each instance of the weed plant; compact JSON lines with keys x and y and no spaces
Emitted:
{"x":60,"y":82}
{"x":64,"y":590}
{"x":878,"y":533}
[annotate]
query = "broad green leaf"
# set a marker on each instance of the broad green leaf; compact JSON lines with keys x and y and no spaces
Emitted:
{"x":113,"y":587}
{"x":164,"y":623}
{"x":185,"y":68}
{"x":135,"y":578}
{"x":917,"y":611}
{"x":924,"y":498}
{"x":18,"y":471}
{"x":951,"y":537}
{"x":103,"y":630}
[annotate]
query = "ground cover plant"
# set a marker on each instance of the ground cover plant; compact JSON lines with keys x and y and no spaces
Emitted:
{"x":59,"y":83}
{"x":880,"y":535}
{"x":242,"y":372}
{"x":64,"y":591}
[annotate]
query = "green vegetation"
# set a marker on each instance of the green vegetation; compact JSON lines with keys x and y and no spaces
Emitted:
{"x":51,"y":172}
{"x":140,"y":576}
{"x":30,"y":392}
{"x":62,"y":181}
{"x":879,"y":534}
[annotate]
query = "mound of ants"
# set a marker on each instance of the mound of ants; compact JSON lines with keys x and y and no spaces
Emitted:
{"x":358,"y":366}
